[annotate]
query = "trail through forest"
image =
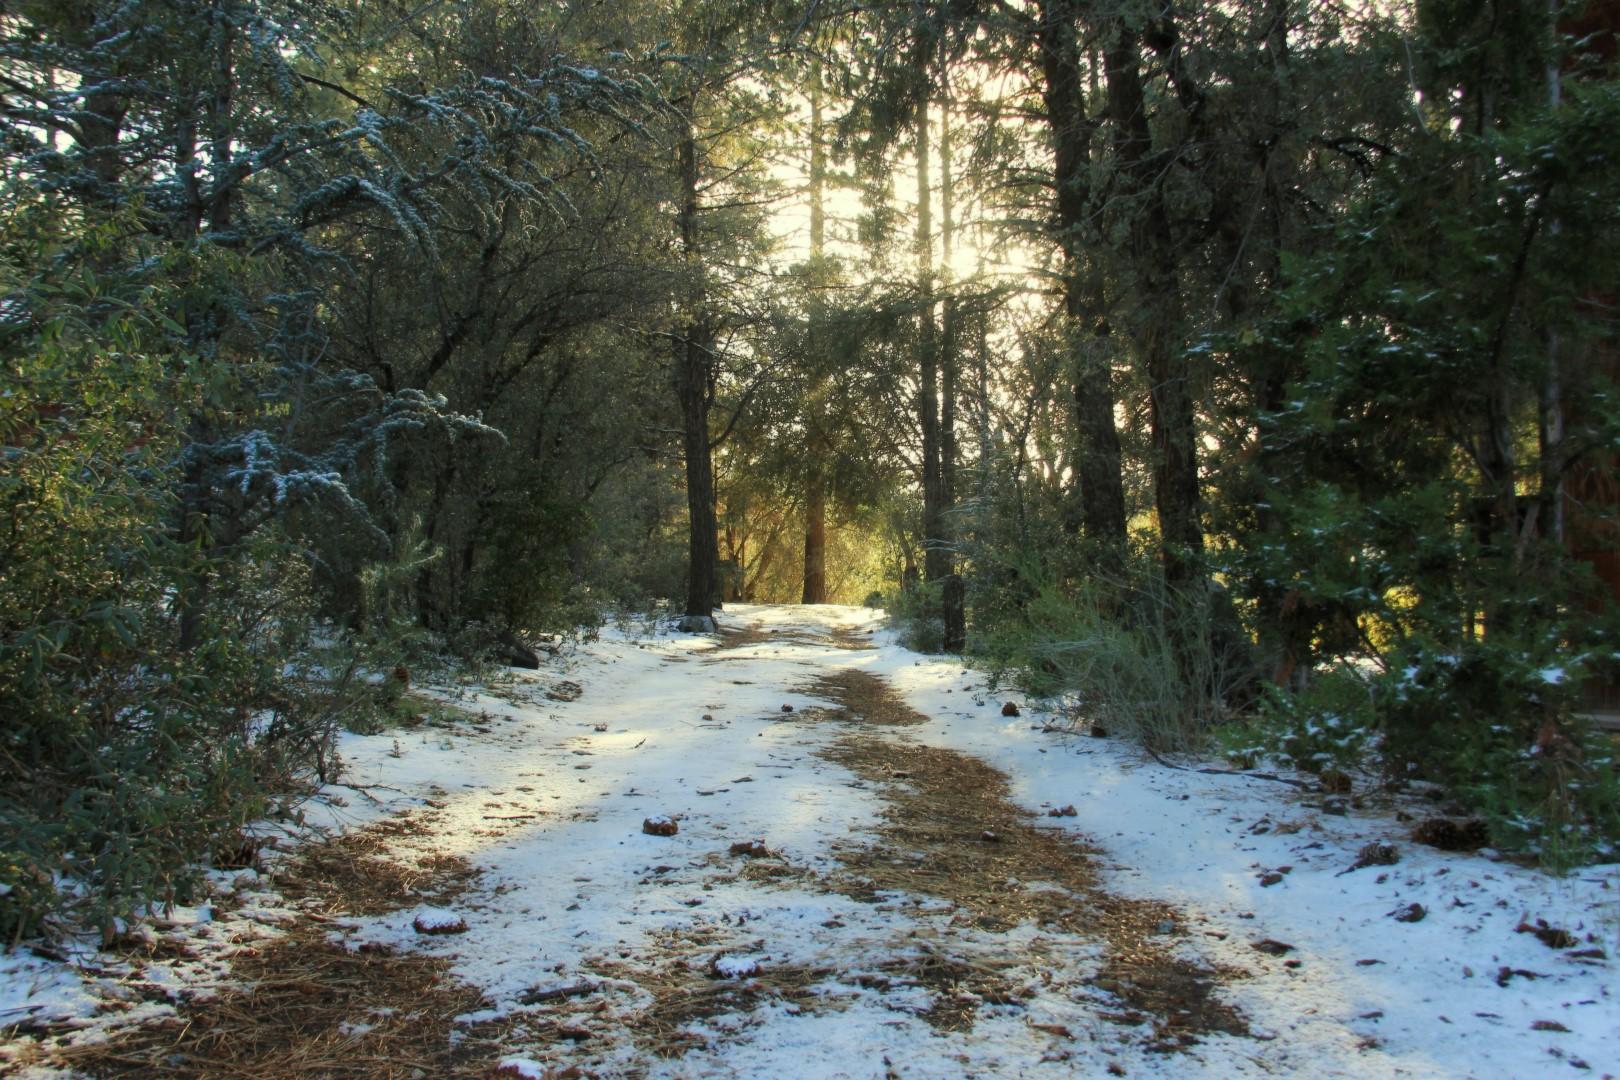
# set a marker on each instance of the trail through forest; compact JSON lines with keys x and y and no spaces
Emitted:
{"x":869,"y":870}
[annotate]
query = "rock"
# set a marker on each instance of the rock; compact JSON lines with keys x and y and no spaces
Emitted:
{"x":1410,"y":913}
{"x":439,"y":921}
{"x":1063,"y":811}
{"x":1449,"y":835}
{"x":1335,"y":781}
{"x":723,"y":966}
{"x":565,"y":691}
{"x":1335,"y":806}
{"x":515,"y":652}
{"x":1551,"y":936}
{"x":660,"y":825}
{"x":787,"y":708}
{"x":1009,"y":708}
{"x":1271,"y":947}
{"x":1374,"y":854}
{"x":989,"y":837}
{"x":753,"y":849}
{"x":1547,"y":1025}
{"x":1272,"y":878}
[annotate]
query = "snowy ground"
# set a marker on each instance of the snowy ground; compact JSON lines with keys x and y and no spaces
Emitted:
{"x":548,"y":802}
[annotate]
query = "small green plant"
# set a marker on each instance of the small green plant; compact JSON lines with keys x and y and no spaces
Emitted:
{"x":915,"y":610}
{"x":1331,"y":724}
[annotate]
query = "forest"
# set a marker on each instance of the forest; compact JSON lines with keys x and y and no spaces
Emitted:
{"x":1239,"y":377}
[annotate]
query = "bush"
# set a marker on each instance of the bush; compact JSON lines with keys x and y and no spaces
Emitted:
{"x":915,"y":610}
{"x":1128,"y":654}
{"x":1495,"y":722}
{"x":1331,"y":724}
{"x":1492,"y":722}
{"x":128,"y":753}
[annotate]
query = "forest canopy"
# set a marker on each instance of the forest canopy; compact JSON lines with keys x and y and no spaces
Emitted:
{"x":1241,"y":377}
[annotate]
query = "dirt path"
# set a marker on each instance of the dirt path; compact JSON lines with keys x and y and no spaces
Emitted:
{"x":958,"y":910}
{"x":950,"y":832}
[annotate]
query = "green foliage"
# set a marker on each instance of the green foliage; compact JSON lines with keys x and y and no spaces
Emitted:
{"x":1494,"y":722}
{"x":915,"y":610}
{"x":1124,"y":652}
{"x":1330,"y":724}
{"x":123,"y":757}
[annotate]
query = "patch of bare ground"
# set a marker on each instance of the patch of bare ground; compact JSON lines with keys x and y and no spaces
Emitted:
{"x":950,"y":832}
{"x":686,"y":992}
{"x":733,"y":638}
{"x":309,"y":1007}
{"x":357,"y":874}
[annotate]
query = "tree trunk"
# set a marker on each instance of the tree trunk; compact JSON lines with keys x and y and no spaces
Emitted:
{"x":936,"y":557}
{"x":1158,"y":317}
{"x":694,"y":377}
{"x":815,"y":498}
{"x":1101,"y":491}
{"x":952,"y":598}
{"x":1553,"y":459}
{"x":815,"y":541}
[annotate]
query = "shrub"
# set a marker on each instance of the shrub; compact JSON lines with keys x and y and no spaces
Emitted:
{"x":1331,"y":724}
{"x":1494,"y":720}
{"x":1128,"y":654}
{"x":127,"y":752}
{"x":915,"y":611}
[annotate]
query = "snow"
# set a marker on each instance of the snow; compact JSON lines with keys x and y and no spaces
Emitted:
{"x":549,"y":806}
{"x":430,"y":920}
{"x":736,"y":967}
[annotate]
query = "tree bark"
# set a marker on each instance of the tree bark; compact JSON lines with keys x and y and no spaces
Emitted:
{"x":815,"y":499}
{"x":1158,"y":317}
{"x":936,"y":561}
{"x":1553,"y":459}
{"x":1101,"y":491}
{"x":952,"y":596}
{"x":815,"y":541}
{"x":694,"y":379}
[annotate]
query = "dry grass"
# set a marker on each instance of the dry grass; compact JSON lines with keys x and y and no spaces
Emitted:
{"x":733,"y":638}
{"x":685,"y":993}
{"x":312,"y":1008}
{"x":950,"y":831}
{"x":357,"y":874}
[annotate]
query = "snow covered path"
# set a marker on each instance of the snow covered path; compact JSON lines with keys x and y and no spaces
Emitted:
{"x":872,"y":883}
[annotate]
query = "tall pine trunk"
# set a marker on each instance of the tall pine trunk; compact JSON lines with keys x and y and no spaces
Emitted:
{"x":815,"y":540}
{"x":936,"y":557}
{"x":1158,"y":315}
{"x":694,"y":379}
{"x":952,"y":600}
{"x":815,"y":448}
{"x":1101,"y":491}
